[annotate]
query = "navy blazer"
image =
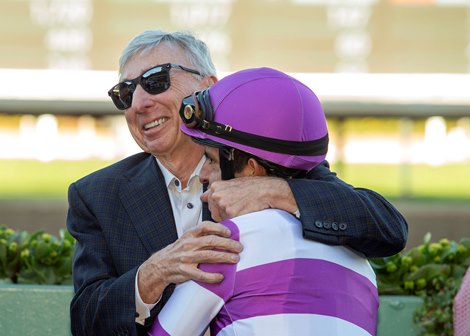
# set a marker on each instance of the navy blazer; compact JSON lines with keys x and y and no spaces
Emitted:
{"x":121,"y":215}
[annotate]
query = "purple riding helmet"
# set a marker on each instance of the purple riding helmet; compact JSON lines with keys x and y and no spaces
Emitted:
{"x":261,"y":111}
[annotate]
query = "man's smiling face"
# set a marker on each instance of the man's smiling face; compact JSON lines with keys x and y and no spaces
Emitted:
{"x":153,"y":120}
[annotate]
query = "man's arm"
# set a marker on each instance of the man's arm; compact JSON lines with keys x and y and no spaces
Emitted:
{"x":178,"y":317}
{"x":104,"y":300}
{"x":331,"y":211}
{"x":178,"y":262}
{"x":334,"y":212}
{"x":189,"y":311}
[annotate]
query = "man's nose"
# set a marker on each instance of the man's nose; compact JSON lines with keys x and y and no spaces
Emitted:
{"x":204,"y":174}
{"x":140,"y":98}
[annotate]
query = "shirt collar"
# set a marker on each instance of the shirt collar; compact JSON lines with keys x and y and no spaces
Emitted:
{"x":169,"y":177}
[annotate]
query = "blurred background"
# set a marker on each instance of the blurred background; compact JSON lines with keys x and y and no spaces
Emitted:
{"x":393,"y":76}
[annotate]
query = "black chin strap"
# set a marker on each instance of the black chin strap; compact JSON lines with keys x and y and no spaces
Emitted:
{"x":226,"y":163}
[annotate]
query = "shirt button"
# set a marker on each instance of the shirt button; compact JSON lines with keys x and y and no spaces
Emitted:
{"x":190,"y":205}
{"x":177,"y":183}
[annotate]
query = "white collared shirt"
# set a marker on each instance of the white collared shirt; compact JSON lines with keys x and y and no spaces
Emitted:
{"x":186,"y":203}
{"x":187,"y":211}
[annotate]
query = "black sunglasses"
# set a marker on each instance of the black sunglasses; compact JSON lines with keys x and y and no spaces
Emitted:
{"x":154,"y":81}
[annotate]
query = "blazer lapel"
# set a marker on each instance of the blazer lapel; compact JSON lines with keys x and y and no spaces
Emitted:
{"x":145,"y":197}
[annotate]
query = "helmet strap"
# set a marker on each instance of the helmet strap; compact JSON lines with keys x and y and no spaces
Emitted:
{"x":226,"y":157}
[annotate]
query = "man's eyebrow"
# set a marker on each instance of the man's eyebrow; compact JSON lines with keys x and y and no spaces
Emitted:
{"x":207,"y":154}
{"x":210,"y":156}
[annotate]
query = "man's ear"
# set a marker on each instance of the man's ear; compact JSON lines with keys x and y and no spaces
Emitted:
{"x":209,"y":80}
{"x":214,"y":79}
{"x":254,"y":168}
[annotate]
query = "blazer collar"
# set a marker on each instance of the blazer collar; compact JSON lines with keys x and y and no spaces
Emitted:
{"x":145,"y":198}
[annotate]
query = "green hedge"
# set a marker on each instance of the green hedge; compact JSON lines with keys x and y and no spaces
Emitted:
{"x":433,"y":271}
{"x":38,"y":258}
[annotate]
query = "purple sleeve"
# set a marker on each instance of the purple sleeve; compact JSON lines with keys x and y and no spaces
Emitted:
{"x":223,"y":289}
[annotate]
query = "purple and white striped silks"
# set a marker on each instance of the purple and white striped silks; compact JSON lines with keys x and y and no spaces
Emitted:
{"x":283,"y":285}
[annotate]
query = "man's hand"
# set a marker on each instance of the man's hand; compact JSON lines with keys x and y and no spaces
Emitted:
{"x":235,"y":197}
{"x":208,"y":242}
